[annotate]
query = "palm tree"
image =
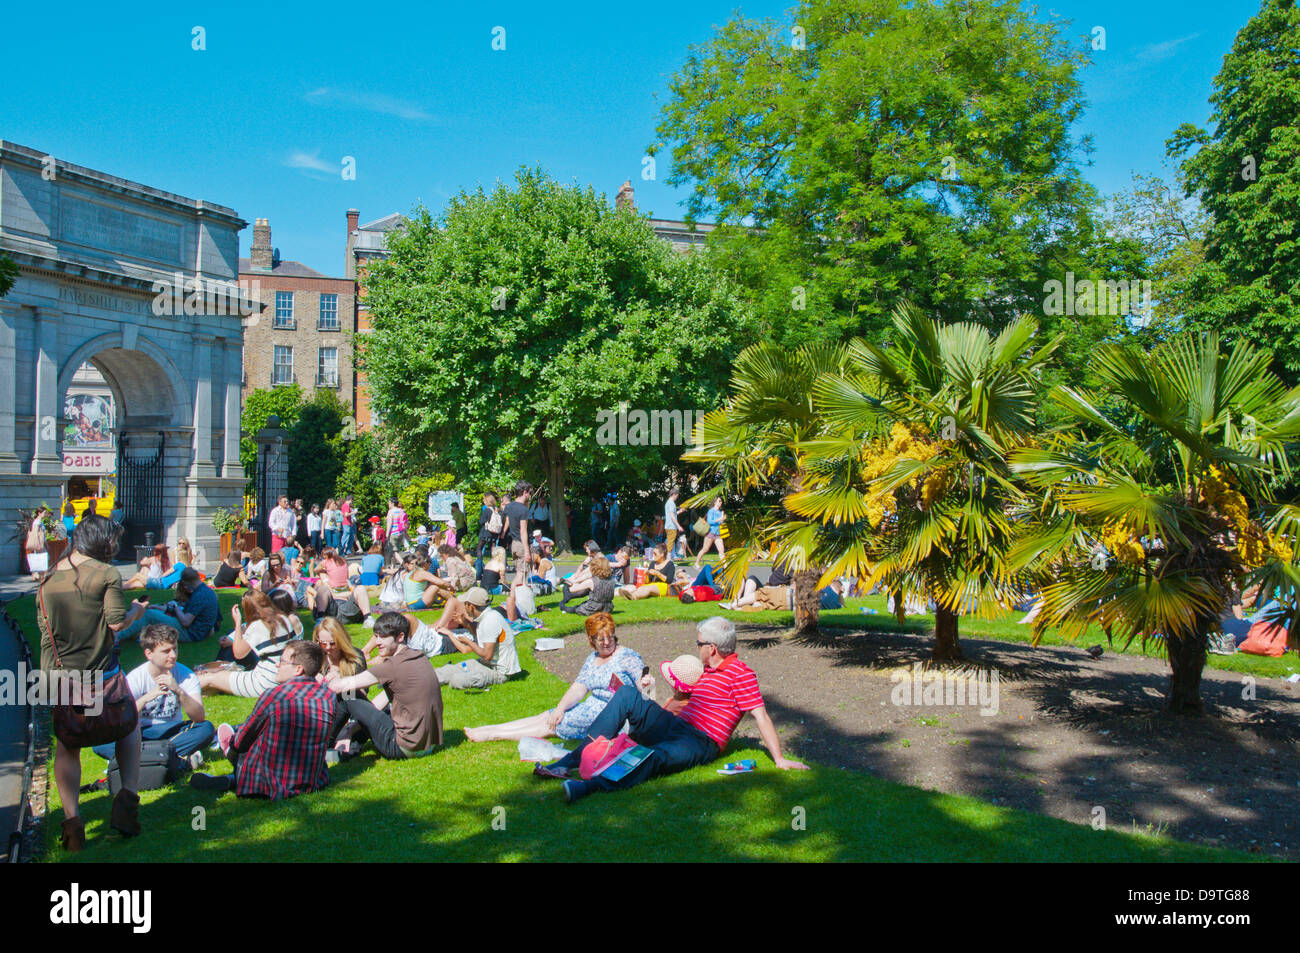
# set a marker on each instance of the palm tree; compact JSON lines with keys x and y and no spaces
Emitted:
{"x":889,"y":465}
{"x":1145,"y":525}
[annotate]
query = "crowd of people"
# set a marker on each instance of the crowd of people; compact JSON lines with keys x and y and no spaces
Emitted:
{"x":311,"y":688}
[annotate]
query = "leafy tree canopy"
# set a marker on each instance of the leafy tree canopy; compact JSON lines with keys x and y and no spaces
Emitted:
{"x":1246,"y":174}
{"x":505,"y":327}
{"x":886,"y":150}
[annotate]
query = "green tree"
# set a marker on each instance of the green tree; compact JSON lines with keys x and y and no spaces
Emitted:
{"x":882,"y":150}
{"x":316,"y":453}
{"x":1145,"y":525}
{"x":893,"y":463}
{"x":1167,"y":232}
{"x":1246,"y":175}
{"x":283,"y":402}
{"x":506,"y":331}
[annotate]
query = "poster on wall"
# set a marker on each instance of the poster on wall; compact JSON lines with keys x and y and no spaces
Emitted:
{"x":90,"y":422}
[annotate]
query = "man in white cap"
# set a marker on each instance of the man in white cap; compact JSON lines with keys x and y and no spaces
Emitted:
{"x":496,"y":658}
{"x":679,"y":740}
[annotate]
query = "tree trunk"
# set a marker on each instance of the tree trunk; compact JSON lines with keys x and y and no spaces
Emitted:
{"x":1186,"y":660}
{"x":946,"y":646}
{"x":553,"y":460}
{"x":807,"y":603}
{"x":900,"y":607}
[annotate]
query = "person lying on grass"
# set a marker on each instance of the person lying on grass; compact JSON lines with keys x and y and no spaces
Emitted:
{"x":695,"y":735}
{"x":608,"y":667}
{"x":493,"y":645}
{"x":405,"y":721}
{"x":422,"y":637}
{"x":280,"y":751}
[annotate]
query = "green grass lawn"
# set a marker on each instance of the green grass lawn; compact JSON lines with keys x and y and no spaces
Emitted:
{"x":478,"y":802}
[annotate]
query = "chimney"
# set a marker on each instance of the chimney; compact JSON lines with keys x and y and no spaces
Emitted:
{"x":624,"y":198}
{"x":260,"y":254}
{"x":349,"y":265}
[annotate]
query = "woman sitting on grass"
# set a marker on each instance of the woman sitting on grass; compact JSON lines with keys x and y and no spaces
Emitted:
{"x":421,"y":587}
{"x":662,"y":577}
{"x":266,"y":636}
{"x":342,"y":658}
{"x":601,"y":598}
{"x":159,"y":571}
{"x":494,"y":570}
{"x":586,"y":697}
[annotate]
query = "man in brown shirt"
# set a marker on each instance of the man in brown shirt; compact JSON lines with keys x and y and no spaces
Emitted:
{"x":407,"y":722}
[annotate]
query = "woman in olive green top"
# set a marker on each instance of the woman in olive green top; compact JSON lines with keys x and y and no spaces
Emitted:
{"x":82,"y":597}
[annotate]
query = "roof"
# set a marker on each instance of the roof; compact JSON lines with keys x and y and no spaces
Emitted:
{"x":385,"y":224}
{"x":284,"y":269}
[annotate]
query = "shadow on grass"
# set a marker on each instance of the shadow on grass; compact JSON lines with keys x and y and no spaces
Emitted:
{"x":823,"y":816}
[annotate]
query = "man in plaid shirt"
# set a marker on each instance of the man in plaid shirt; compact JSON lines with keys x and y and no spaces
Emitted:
{"x":280,"y":750}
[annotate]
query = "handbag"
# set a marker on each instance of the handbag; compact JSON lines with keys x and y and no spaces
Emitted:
{"x":701,"y":527}
{"x":101,"y":714}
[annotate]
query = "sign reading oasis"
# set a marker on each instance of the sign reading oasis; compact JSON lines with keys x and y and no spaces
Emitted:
{"x":88,"y":462}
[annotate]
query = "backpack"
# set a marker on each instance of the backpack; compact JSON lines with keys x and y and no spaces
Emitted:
{"x":494,"y":523}
{"x":401,"y":521}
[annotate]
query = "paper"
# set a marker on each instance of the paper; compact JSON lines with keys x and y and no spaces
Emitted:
{"x":548,"y":645}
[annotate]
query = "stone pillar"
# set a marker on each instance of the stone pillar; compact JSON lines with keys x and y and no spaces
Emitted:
{"x":8,"y":388}
{"x":231,"y":468}
{"x":45,"y":458}
{"x":203,"y":465}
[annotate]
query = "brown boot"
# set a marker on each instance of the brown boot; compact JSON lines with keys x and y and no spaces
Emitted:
{"x":125,"y":818}
{"x":74,"y":834}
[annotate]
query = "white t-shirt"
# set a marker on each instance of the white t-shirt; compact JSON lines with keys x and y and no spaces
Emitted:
{"x":493,"y":627}
{"x":313,"y":522}
{"x":670,"y":516}
{"x":165,"y":710}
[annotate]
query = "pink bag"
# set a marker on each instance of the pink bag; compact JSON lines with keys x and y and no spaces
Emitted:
{"x":601,"y":753}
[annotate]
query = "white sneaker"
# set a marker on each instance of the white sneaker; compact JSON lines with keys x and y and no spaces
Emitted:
{"x":369,"y":623}
{"x":196,"y":759}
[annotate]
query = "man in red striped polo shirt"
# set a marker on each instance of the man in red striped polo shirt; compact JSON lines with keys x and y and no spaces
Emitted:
{"x":696,"y":735}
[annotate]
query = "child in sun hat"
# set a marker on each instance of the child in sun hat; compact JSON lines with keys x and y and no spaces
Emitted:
{"x":681,"y":673}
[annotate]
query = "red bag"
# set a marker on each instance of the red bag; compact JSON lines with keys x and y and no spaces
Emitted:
{"x":706,"y":594}
{"x":601,"y":753}
{"x":1265,"y":638}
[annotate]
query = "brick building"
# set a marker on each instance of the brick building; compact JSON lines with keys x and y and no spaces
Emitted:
{"x":366,"y":243}
{"x":304,"y":332}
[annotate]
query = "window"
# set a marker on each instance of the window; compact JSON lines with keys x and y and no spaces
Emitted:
{"x":327,"y":367}
{"x":284,"y":309}
{"x":329,"y":313}
{"x":282,"y":371}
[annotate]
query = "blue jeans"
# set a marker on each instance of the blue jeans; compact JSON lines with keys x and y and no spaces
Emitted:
{"x":705,"y":577}
{"x":188,"y":737}
{"x":349,"y":537}
{"x":675,"y":745}
{"x":150,"y":617}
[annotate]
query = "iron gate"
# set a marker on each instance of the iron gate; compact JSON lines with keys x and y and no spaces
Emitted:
{"x":140,"y":496}
{"x":262,"y":489}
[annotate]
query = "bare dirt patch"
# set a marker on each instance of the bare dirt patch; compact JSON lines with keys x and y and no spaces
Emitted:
{"x":1071,"y":734}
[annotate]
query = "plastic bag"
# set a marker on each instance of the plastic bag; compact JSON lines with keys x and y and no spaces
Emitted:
{"x":539,"y":749}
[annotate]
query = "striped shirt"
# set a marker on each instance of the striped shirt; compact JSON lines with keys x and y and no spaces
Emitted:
{"x":282,"y":745}
{"x":721,"y":697}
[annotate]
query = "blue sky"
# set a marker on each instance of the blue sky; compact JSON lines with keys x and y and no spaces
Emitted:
{"x":261,"y":119}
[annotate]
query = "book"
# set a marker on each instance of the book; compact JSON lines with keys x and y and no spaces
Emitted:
{"x":621,"y":766}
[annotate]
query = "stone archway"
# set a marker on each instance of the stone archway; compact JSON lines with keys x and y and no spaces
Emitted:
{"x":103,"y":262}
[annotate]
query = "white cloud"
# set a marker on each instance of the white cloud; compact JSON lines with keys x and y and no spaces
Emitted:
{"x":370,"y":102}
{"x":310,"y":161}
{"x":1156,"y":52}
